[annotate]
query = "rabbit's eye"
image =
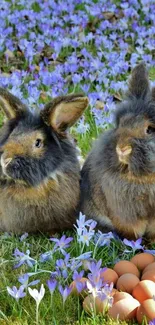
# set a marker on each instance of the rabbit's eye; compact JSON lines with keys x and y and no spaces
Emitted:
{"x":150,"y":130}
{"x":38,"y":143}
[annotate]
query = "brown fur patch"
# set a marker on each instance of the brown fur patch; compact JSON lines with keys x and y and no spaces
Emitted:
{"x":24,"y":145}
{"x":21,"y":192}
{"x":50,"y":207}
{"x":130,"y":230}
{"x":143,"y":179}
{"x":151,"y":230}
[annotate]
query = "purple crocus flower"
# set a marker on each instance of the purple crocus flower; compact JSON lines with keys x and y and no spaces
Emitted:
{"x":103,"y":292}
{"x":76,"y":78}
{"x":95,"y":289}
{"x":86,"y":236}
{"x":62,"y":265}
{"x":75,"y":264}
{"x":85,"y":229}
{"x":82,"y":126}
{"x":65,"y":292}
{"x":16,"y":293}
{"x":24,"y":280}
{"x":80,"y":286}
{"x":52,"y":283}
{"x":23,"y":258}
{"x":95,"y":274}
{"x":81,"y":223}
{"x":78,"y":275}
{"x":47,"y":256}
{"x":102,"y":239}
{"x":133,"y":244}
{"x":62,"y":243}
{"x":152,"y":322}
{"x":150,"y":251}
{"x":95,"y":267}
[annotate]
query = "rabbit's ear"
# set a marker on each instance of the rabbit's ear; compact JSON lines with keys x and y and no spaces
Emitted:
{"x":153,"y":93}
{"x":139,"y":82}
{"x":63,"y":112}
{"x":11,"y":106}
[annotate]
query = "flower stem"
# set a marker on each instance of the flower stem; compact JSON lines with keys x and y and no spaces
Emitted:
{"x":51,"y":299}
{"x":96,"y":246}
{"x":37,"y":314}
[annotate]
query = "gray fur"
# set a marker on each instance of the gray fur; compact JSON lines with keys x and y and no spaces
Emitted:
{"x":121,"y":197}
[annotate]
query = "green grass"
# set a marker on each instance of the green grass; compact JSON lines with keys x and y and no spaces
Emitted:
{"x":23,"y":312}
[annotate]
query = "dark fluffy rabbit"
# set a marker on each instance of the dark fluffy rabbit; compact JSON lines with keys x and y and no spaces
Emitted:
{"x":39,"y":170}
{"x":118,"y":177}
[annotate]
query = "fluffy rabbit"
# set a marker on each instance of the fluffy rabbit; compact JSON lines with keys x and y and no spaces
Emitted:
{"x":118,"y":177}
{"x":39,"y":170}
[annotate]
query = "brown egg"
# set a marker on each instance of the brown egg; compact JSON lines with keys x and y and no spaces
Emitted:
{"x":123,"y":267}
{"x":149,"y":275}
{"x":127,"y":282}
{"x":149,"y":267}
{"x":75,"y":292}
{"x":95,"y":305}
{"x":147,"y":309}
{"x":144,"y":290}
{"x":121,"y":295}
{"x":124,"y":309}
{"x":142,"y":260}
{"x":109,"y":276}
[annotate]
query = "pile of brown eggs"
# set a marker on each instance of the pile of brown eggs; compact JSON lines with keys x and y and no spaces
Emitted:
{"x":134,"y":288}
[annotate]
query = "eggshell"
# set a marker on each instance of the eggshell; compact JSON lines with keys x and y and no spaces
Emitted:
{"x":127,"y":282}
{"x":124,"y":309}
{"x":109,"y":276}
{"x":149,"y":275}
{"x":147,"y":309}
{"x":123,"y":267}
{"x":95,"y":305}
{"x":149,"y":267}
{"x":142,"y":260}
{"x":75,"y":292}
{"x":144,"y":290}
{"x":121,"y":295}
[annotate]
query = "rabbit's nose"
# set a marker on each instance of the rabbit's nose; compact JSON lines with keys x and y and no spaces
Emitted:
{"x":123,"y":152}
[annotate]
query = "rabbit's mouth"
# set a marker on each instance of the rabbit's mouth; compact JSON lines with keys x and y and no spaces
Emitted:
{"x":123,"y":154}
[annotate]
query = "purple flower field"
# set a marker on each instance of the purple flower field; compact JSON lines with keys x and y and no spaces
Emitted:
{"x":50,"y":48}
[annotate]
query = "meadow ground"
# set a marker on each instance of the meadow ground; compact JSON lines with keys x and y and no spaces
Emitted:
{"x":48,"y":48}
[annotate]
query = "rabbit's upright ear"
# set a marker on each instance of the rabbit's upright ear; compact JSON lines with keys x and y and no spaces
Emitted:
{"x":64,"y":111}
{"x":11,"y":106}
{"x":139,"y":82}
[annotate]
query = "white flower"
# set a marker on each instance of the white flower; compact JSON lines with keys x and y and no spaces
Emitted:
{"x":37,"y":295}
